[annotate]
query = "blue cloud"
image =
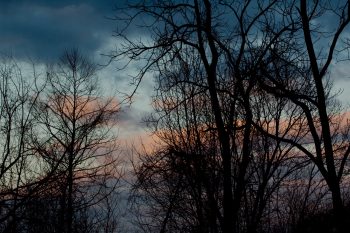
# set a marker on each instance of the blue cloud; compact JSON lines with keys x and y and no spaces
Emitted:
{"x":43,"y":29}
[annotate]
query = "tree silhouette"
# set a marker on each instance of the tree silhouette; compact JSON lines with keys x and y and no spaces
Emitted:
{"x":75,"y":140}
{"x":242,"y":55}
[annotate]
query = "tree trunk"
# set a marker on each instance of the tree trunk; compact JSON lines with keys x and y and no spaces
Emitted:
{"x":70,"y":196}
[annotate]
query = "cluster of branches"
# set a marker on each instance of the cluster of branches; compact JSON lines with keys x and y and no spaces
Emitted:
{"x":57,"y":149}
{"x":253,"y":139}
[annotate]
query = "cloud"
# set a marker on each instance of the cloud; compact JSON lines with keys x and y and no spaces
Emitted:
{"x":43,"y":29}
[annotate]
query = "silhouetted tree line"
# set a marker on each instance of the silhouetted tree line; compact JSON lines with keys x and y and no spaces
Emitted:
{"x":58,"y":166}
{"x":251,"y":135}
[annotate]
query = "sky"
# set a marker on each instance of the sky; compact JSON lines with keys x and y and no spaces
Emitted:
{"x":41,"y":30}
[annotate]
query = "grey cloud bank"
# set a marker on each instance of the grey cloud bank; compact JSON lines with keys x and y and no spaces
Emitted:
{"x":43,"y":29}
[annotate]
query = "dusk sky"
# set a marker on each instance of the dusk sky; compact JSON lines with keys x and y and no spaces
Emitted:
{"x":41,"y":30}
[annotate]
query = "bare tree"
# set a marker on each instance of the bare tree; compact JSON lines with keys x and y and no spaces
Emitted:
{"x":181,"y":182}
{"x":240,"y":49}
{"x":75,"y":139}
{"x":18,"y":94}
{"x":310,"y":61}
{"x":199,"y":28}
